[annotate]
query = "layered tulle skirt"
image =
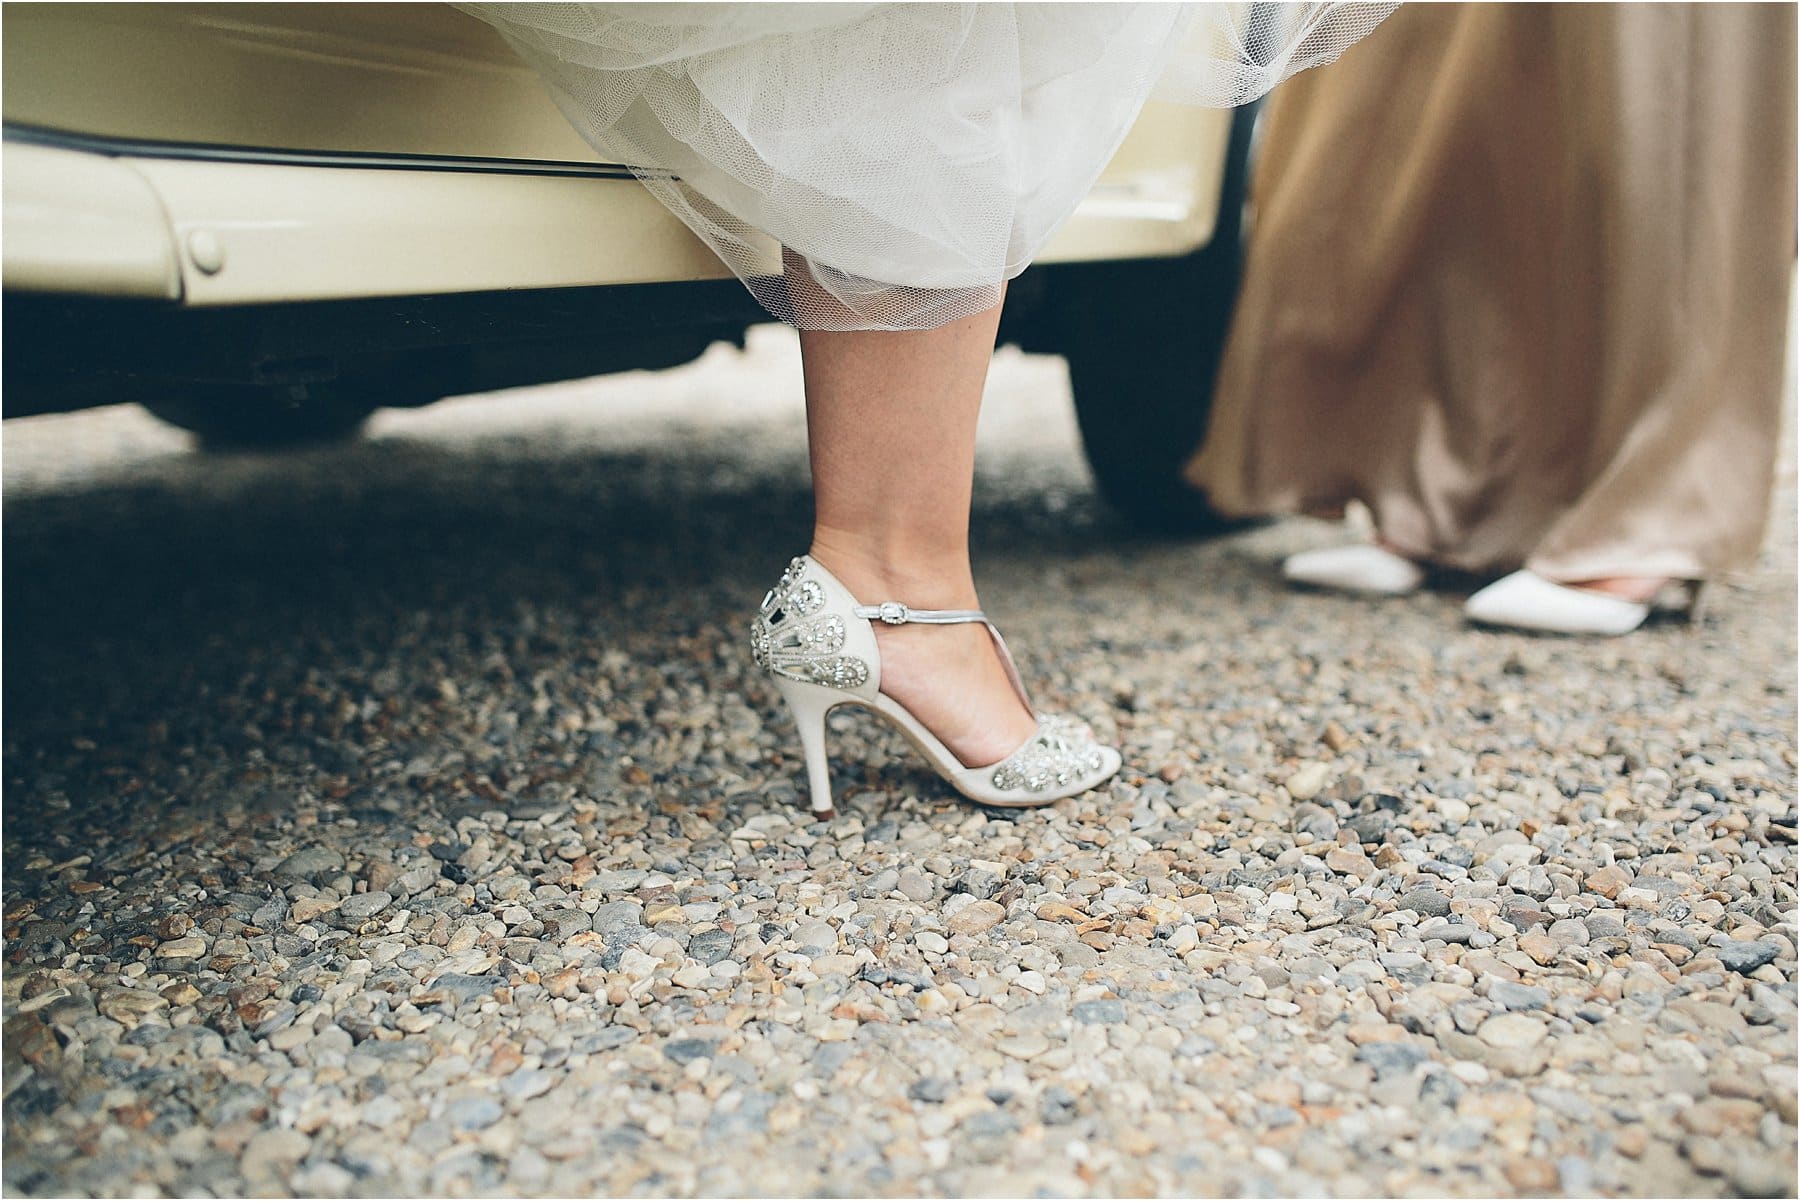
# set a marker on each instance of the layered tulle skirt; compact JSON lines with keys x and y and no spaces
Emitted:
{"x":890,"y":166}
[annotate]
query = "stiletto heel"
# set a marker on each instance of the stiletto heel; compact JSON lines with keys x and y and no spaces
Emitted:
{"x":818,"y":645}
{"x":809,"y":704}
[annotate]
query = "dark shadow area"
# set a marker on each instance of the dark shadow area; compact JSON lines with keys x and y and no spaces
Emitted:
{"x":231,"y":603}
{"x":131,"y":587}
{"x":209,"y":566}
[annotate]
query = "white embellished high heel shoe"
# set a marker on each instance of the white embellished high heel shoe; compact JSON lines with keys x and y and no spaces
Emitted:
{"x":1371,"y":570}
{"x":817,"y":643}
{"x":1525,"y":600}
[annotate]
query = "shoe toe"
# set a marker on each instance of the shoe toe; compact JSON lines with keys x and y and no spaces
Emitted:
{"x":1525,"y":600}
{"x":1110,"y":763}
{"x":1061,"y":760}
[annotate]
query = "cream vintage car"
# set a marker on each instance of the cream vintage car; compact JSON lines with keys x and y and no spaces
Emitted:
{"x":264,"y":221}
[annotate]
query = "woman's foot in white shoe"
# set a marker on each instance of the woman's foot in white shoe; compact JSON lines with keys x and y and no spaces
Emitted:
{"x":1365,"y":569}
{"x":1525,"y":600}
{"x":949,"y":677}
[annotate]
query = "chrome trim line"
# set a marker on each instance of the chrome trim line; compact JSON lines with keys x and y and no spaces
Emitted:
{"x":144,"y":148}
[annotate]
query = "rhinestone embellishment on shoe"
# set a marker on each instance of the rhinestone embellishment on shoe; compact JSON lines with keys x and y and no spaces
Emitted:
{"x":1061,"y":752}
{"x":788,"y":640}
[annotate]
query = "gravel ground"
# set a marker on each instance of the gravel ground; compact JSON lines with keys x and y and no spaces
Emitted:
{"x":407,"y":818}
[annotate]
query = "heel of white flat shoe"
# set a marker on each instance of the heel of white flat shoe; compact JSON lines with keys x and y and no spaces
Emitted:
{"x":1699,"y":599}
{"x":809,"y":703}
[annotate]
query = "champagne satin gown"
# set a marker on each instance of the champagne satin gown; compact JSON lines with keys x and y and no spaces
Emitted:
{"x":1519,"y":280}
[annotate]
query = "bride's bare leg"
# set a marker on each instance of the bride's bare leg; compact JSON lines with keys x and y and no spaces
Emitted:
{"x":891,"y":423}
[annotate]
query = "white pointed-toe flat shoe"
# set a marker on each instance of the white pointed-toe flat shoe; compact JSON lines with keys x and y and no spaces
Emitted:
{"x":1525,"y":600}
{"x":818,"y":645}
{"x":1371,"y":570}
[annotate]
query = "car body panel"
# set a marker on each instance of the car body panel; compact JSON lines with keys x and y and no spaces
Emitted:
{"x":216,"y":108}
{"x":85,"y":224}
{"x":411,"y":78}
{"x":322,"y":233}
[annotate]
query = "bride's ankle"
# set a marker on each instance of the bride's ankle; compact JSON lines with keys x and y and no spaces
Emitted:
{"x":874,"y":574}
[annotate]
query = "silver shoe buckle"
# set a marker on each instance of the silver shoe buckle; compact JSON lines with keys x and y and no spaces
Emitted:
{"x":893,"y":613}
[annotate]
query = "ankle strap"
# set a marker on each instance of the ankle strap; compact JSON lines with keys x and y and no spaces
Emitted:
{"x":895,"y":614}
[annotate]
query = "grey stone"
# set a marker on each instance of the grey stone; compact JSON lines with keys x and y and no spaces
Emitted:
{"x":1531,"y":881}
{"x":564,"y":922}
{"x":1438,"y":1087}
{"x":310,"y":862}
{"x":526,"y":1084}
{"x":1392,"y":1058}
{"x":1761,"y":1175}
{"x":364,"y":905}
{"x":615,"y":919}
{"x":1058,"y":1106}
{"x":358,"y":1026}
{"x":1319,"y":822}
{"x":1106,"y":1011}
{"x":1371,"y":827}
{"x":1570,"y":932}
{"x":748,"y":1119}
{"x":1520,"y":997}
{"x":992,"y":1123}
{"x":473,"y":1113}
{"x":830,"y":1057}
{"x":1604,"y":925}
{"x":280,"y":1016}
{"x":685,"y":1050}
{"x":1575,"y":1176}
{"x":606,"y":1039}
{"x":1427,"y":901}
{"x":980,"y":882}
{"x":931,"y":1089}
{"x":1746,"y":957}
{"x":270,"y":913}
{"x":416,"y":880}
{"x":1569,"y":1104}
{"x":710,"y":946}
